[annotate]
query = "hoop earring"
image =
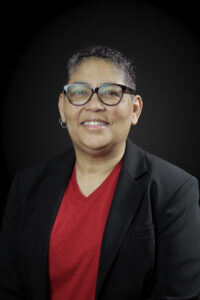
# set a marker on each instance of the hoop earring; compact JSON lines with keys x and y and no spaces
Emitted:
{"x":62,"y":124}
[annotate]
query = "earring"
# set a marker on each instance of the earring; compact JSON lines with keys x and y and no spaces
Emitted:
{"x":62,"y":124}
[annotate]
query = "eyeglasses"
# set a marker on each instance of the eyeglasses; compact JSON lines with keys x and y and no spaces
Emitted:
{"x":108,"y":93}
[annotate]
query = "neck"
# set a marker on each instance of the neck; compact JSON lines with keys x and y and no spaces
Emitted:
{"x":98,"y":162}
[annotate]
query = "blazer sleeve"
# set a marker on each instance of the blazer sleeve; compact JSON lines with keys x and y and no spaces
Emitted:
{"x":11,"y":281}
{"x":178,"y":246}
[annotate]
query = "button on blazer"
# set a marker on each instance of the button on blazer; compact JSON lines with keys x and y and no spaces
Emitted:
{"x":151,"y":241}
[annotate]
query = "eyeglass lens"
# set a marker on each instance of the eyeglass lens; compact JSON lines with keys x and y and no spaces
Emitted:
{"x":80,"y":93}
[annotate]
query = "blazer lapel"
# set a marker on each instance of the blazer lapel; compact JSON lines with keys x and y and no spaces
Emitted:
{"x":37,"y":234}
{"x":127,"y":197}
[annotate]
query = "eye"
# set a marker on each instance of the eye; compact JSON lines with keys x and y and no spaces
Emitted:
{"x":111,"y":91}
{"x":79,"y":92}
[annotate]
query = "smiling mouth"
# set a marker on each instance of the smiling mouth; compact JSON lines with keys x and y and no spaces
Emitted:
{"x":95,"y":124}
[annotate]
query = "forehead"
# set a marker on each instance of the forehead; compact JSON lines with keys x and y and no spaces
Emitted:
{"x":96,"y":71}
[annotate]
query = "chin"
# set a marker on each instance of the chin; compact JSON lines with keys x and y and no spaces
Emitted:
{"x":96,"y":146}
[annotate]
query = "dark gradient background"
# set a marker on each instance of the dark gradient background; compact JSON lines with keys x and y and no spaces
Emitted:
{"x":164,"y":42}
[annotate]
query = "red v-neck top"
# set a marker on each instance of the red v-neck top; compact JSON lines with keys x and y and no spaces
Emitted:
{"x":76,"y":236}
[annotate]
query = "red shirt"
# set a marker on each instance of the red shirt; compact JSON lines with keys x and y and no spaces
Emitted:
{"x":75,"y":241}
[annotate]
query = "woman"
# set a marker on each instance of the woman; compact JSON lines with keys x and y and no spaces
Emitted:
{"x":104,"y":220}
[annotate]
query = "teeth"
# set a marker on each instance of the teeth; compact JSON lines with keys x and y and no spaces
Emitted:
{"x":94,"y":123}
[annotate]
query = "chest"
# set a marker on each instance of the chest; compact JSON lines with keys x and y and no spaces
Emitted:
{"x":88,"y":184}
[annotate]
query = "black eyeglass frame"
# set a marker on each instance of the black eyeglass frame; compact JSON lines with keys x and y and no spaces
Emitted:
{"x":125,"y":89}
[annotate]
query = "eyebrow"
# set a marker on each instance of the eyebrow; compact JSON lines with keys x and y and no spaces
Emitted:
{"x":90,"y":84}
{"x":81,"y":82}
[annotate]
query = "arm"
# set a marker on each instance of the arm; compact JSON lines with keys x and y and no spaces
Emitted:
{"x":11,"y":281}
{"x":178,"y":246}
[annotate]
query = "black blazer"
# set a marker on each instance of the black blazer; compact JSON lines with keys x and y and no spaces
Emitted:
{"x":151,"y":242}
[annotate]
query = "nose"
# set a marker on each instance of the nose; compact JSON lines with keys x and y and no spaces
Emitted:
{"x":95,"y":103}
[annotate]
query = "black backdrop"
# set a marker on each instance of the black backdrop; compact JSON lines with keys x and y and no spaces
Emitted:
{"x":36,"y":41}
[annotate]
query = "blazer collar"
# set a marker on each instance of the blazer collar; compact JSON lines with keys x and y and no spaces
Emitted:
{"x":127,"y":197}
{"x":134,"y":162}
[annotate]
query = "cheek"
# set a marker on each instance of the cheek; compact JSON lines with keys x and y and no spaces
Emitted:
{"x":123,"y":113}
{"x":71,"y":113}
{"x":122,"y":118}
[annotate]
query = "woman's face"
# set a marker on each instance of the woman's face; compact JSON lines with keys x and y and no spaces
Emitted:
{"x":116,"y":119}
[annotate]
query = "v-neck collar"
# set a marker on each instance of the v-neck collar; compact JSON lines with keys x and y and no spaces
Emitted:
{"x":80,"y":196}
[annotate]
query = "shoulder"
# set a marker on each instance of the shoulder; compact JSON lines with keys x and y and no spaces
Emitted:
{"x":173,"y":191}
{"x":165,"y":170}
{"x":159,"y":175}
{"x":39,"y":171}
{"x":170,"y":191}
{"x":167,"y":178}
{"x":157,"y":167}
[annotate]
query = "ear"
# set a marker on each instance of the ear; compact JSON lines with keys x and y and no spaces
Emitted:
{"x":61,"y":106}
{"x":137,"y":109}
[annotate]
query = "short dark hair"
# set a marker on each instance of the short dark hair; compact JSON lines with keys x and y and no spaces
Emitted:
{"x":113,"y":55}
